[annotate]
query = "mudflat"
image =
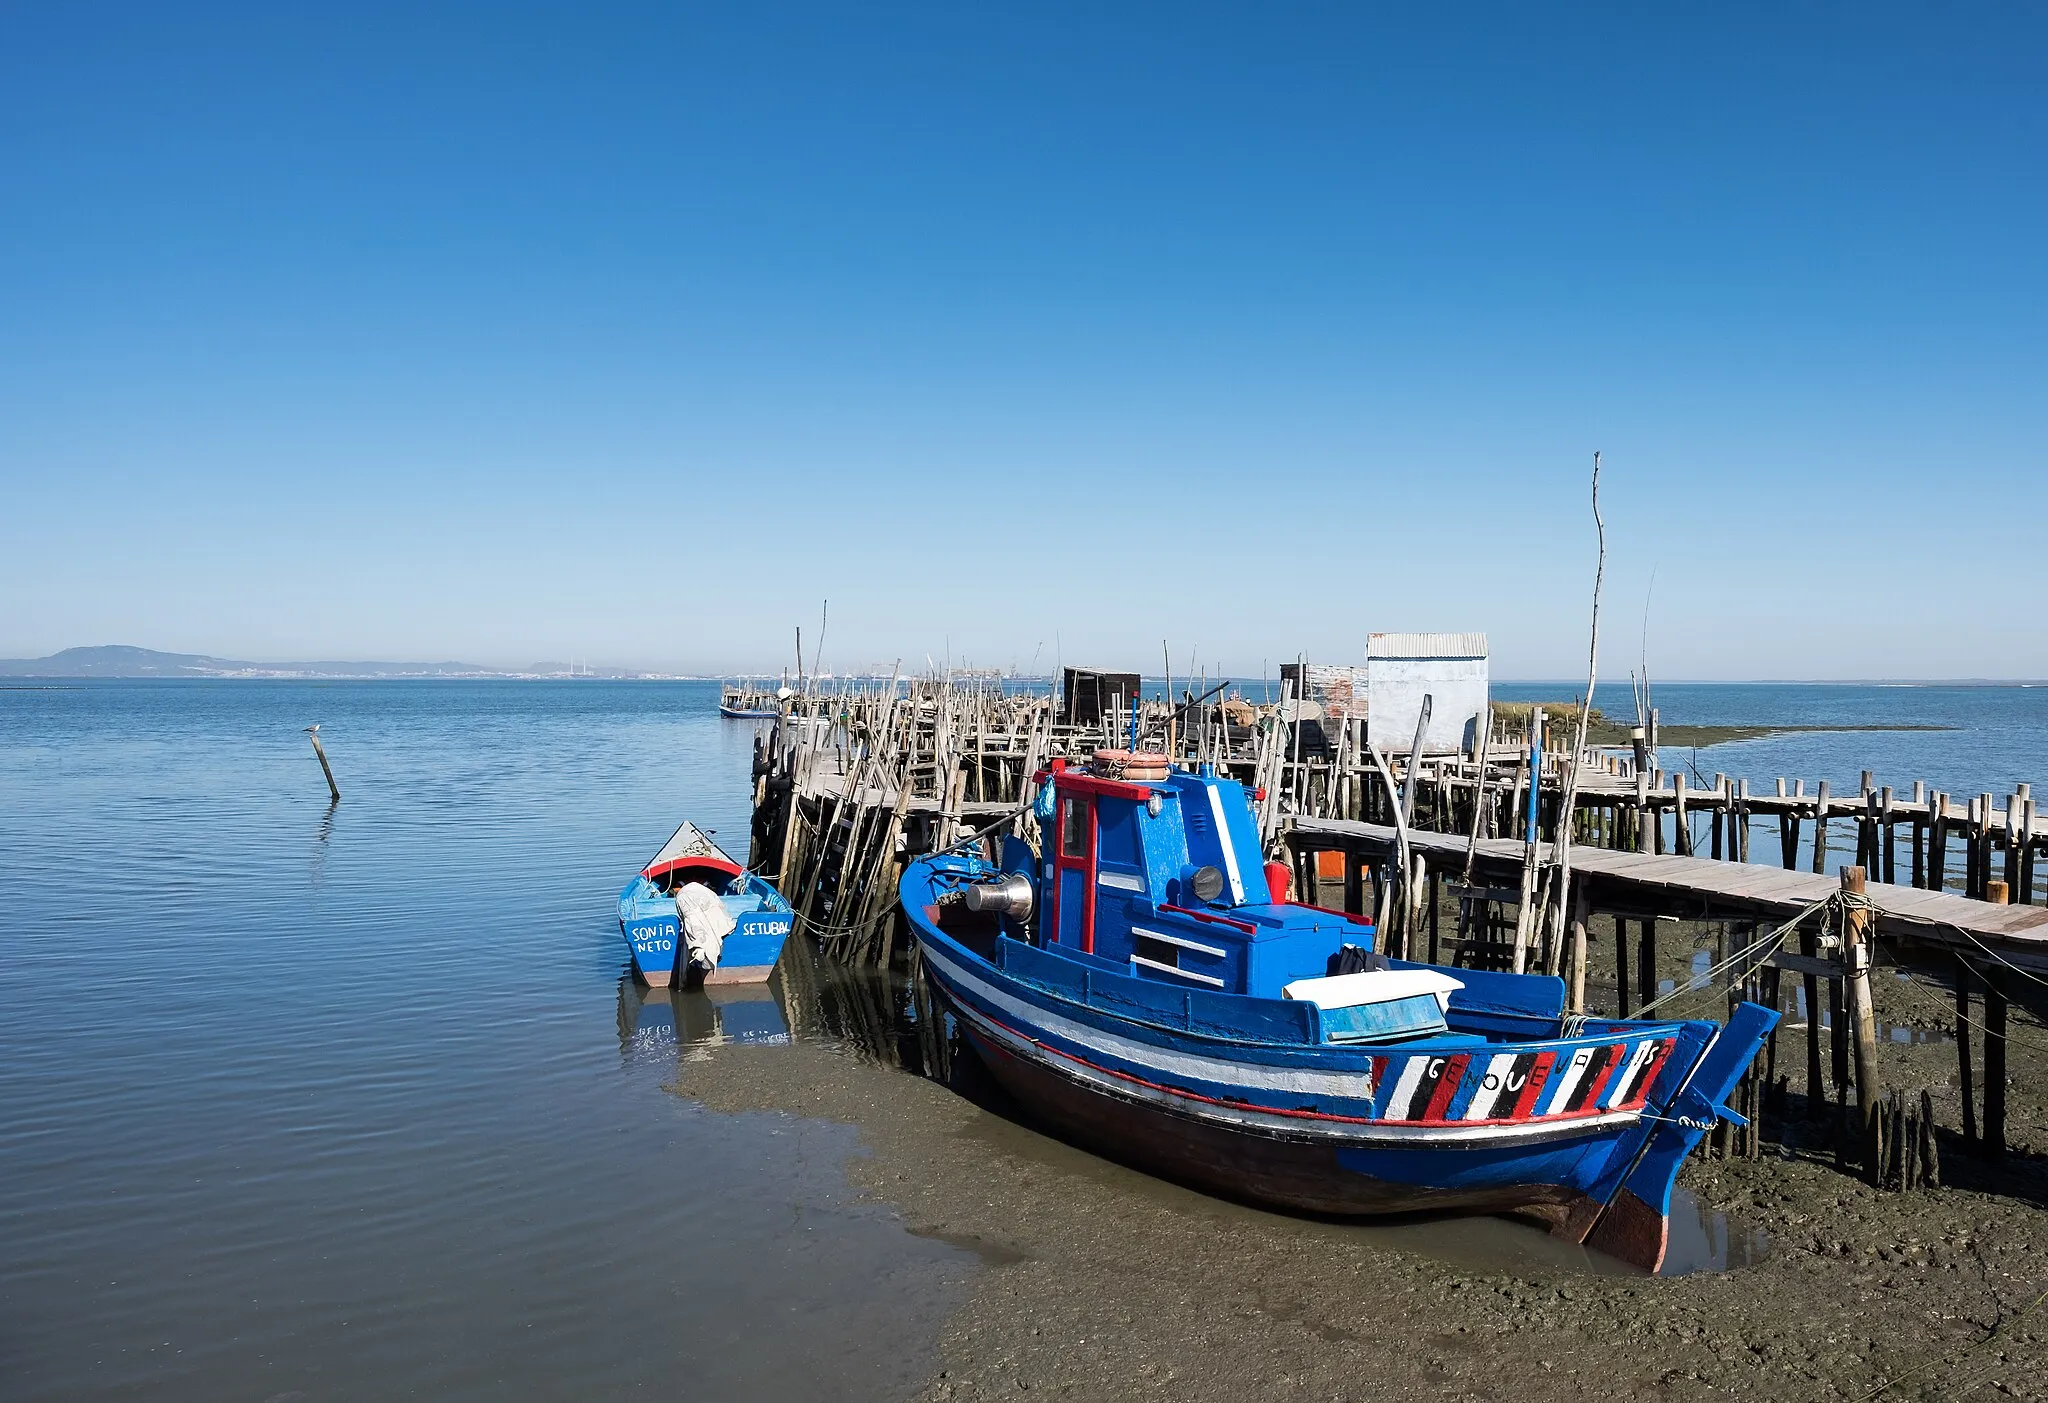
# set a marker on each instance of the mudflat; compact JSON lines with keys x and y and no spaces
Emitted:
{"x":1099,"y":1281}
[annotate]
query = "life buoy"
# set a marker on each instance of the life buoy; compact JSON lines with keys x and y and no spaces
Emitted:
{"x":1137,"y":766}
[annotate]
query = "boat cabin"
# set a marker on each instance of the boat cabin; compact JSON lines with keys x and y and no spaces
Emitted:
{"x":1165,"y":879}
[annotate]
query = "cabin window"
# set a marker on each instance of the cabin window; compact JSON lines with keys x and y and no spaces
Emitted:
{"x":1073,"y":828}
{"x":1116,"y":837}
{"x":1157,"y":951}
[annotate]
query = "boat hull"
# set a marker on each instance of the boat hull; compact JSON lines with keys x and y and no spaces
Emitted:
{"x":653,"y":929}
{"x":1600,"y":1176}
{"x":654,"y":941}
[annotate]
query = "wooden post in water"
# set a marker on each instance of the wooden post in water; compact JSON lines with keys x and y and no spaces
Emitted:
{"x":1980,"y":844}
{"x":1889,"y":838}
{"x":333,"y":790}
{"x":1919,"y":851}
{"x":1856,"y":950}
{"x":2012,"y":846}
{"x":1820,"y":829}
{"x":1937,"y":840}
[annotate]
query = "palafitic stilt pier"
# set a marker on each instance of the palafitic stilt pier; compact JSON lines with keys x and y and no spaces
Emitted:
{"x":1503,"y":853}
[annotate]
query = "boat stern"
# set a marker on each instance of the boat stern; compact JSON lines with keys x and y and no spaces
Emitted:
{"x":653,"y":932}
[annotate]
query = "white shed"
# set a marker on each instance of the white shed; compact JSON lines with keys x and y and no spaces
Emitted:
{"x":1402,"y":668}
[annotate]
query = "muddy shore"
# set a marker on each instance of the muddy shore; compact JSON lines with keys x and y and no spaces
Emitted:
{"x":1098,"y":1281}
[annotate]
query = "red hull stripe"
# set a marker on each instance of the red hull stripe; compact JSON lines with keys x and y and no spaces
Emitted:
{"x":1596,"y":1073}
{"x":1446,"y":1088}
{"x":730,"y":869}
{"x":1617,"y":1059}
{"x":1539,"y":1077}
{"x":1638,"y":1091}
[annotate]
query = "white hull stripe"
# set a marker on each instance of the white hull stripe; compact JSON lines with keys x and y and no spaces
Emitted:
{"x":1299,"y":1126}
{"x":1351,"y":1086}
{"x":1174,"y":1068}
{"x":1628,"y":1074}
{"x":1404,"y":1088}
{"x":1491,"y":1088}
{"x":1568,"y":1080}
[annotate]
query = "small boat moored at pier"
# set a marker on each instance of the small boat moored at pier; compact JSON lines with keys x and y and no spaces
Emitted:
{"x":694,"y":916}
{"x":740,"y":704}
{"x":1145,"y":985}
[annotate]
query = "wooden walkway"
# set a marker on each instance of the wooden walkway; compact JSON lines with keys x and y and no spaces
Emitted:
{"x":1666,"y":885}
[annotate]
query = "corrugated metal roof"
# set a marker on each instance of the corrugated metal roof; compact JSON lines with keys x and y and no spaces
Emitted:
{"x":1425,"y":645}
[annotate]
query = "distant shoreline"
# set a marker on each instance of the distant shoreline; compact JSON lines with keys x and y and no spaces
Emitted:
{"x":122,"y":662}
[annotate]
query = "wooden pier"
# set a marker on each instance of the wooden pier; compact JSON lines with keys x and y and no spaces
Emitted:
{"x":1472,"y":859}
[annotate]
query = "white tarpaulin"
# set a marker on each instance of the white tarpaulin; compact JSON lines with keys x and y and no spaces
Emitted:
{"x":706,"y":923}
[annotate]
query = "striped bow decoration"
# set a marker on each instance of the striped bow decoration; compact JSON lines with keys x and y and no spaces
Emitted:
{"x":1518,"y":1086}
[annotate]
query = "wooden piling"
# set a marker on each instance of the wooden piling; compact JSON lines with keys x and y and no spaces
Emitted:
{"x":1580,"y":914}
{"x":1966,"y":1072}
{"x":320,"y":752}
{"x":1994,"y":1062}
{"x":1856,"y":953}
{"x":1816,"y":1092}
{"x":1621,"y":979}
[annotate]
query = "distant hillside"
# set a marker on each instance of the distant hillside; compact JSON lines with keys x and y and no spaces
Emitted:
{"x":117,"y":660}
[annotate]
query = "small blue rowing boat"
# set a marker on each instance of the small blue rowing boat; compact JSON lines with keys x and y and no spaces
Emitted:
{"x":694,"y":916}
{"x":1143,"y":987}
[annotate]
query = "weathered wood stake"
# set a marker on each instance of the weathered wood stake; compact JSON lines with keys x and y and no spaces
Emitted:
{"x":333,"y":790}
{"x":1856,"y":951}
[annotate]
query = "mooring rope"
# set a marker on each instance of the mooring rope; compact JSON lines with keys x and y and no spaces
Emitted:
{"x":2024,"y":974}
{"x":1947,"y":1011}
{"x":1774,"y":939}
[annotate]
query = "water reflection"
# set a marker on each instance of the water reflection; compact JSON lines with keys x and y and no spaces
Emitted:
{"x":1890,"y":1032}
{"x":697,"y":1020}
{"x":316,"y":865}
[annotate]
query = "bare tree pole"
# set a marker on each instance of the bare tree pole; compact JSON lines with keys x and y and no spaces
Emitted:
{"x":818,"y":649}
{"x":1563,"y":857}
{"x":1485,"y":719}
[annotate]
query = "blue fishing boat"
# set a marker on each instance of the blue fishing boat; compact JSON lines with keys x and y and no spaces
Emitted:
{"x":694,"y":916}
{"x":1144,"y":987}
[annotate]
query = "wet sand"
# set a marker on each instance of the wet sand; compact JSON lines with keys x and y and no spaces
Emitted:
{"x":1098,"y":1281}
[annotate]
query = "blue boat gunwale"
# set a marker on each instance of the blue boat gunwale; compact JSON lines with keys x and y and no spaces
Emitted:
{"x":1303,"y":1053}
{"x":1087,"y":967}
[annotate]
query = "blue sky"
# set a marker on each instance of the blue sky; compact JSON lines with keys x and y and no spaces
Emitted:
{"x":511,"y":332}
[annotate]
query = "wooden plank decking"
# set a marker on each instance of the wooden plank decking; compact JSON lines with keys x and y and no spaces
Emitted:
{"x":2017,"y":933}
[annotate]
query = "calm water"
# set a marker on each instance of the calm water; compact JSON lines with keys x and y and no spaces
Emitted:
{"x":347,"y":1103}
{"x":1999,"y":736}
{"x":336,"y":1103}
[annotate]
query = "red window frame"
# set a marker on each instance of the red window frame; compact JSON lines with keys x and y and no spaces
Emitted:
{"x":1084,"y":864}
